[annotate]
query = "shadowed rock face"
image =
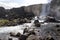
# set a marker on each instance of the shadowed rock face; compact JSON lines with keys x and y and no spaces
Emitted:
{"x":21,"y":12}
{"x":36,"y":9}
{"x":18,"y":13}
{"x":55,"y":9}
{"x":37,"y":23}
{"x":55,"y":3}
{"x":2,"y":12}
{"x":49,"y":19}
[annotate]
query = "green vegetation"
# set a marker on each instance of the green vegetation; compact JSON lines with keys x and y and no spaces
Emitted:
{"x":3,"y":22}
{"x":14,"y":22}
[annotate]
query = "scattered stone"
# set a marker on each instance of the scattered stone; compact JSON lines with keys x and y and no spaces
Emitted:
{"x":58,"y":29}
{"x":32,"y":32}
{"x":49,"y":39}
{"x":25,"y":30}
{"x":18,"y":34}
{"x":57,"y":25}
{"x":0,"y":39}
{"x":23,"y":37}
{"x":51,"y":19}
{"x":15,"y":35}
{"x":9,"y":38}
{"x":11,"y":34}
{"x":32,"y":37}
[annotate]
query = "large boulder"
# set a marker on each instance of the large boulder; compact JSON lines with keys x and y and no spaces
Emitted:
{"x":25,"y":31}
{"x":37,"y":23}
{"x":23,"y":37}
{"x":10,"y":39}
{"x":15,"y":35}
{"x":49,"y":37}
{"x":51,"y":19}
{"x":32,"y":37}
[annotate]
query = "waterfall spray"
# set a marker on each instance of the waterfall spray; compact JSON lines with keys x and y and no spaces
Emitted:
{"x":45,"y":11}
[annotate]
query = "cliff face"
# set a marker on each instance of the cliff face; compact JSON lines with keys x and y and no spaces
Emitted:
{"x":21,"y":12}
{"x":2,"y":12}
{"x":17,"y":16}
{"x":55,"y":9}
{"x":36,"y":9}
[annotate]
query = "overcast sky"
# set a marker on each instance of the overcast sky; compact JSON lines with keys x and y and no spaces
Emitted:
{"x":18,"y":3}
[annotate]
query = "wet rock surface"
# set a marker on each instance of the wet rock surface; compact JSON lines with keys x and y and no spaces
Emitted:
{"x":37,"y":23}
{"x":47,"y":31}
{"x":52,"y":19}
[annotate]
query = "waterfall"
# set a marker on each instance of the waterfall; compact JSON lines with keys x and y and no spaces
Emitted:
{"x":45,"y":11}
{"x":43,"y":29}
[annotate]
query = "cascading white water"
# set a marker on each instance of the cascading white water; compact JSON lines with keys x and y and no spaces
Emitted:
{"x":43,"y":29}
{"x":45,"y":11}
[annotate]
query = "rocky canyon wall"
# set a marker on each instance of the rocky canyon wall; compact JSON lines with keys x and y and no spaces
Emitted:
{"x":36,"y":9}
{"x":21,"y":12}
{"x":55,"y":9}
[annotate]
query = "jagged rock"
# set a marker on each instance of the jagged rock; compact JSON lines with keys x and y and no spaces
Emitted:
{"x":57,"y":26}
{"x":29,"y":32}
{"x":23,"y":37}
{"x":49,"y":38}
{"x":32,"y":37}
{"x":15,"y":35}
{"x":25,"y":30}
{"x":18,"y":34}
{"x":0,"y":39}
{"x":12,"y":34}
{"x":37,"y":23}
{"x":58,"y":30}
{"x":27,"y":21}
{"x":51,"y":19}
{"x":10,"y":39}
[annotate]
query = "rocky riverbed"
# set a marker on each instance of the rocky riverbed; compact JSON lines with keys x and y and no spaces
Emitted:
{"x":44,"y":30}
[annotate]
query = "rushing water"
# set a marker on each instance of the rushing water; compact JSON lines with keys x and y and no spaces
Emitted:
{"x":45,"y":11}
{"x":4,"y":31}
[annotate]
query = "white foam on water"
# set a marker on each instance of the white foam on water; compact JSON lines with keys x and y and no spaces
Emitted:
{"x":10,"y":29}
{"x":15,"y":29}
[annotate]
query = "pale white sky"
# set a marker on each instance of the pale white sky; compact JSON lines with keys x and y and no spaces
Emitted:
{"x":18,"y":3}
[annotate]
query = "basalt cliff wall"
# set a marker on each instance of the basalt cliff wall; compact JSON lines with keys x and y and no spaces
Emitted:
{"x":20,"y":15}
{"x":55,"y":9}
{"x":21,"y":12}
